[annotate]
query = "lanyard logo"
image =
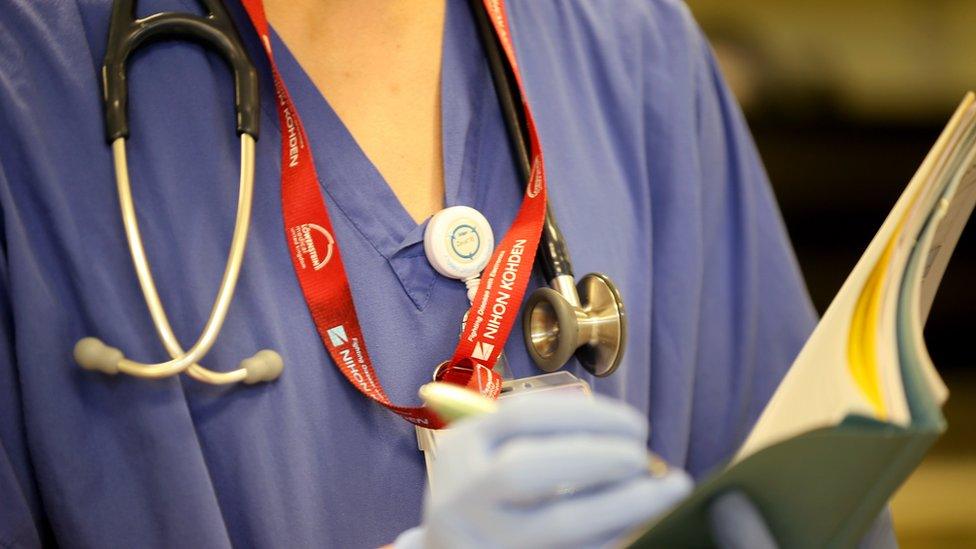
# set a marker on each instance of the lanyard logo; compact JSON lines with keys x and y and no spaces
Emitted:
{"x":303,"y":239}
{"x":338,"y":336}
{"x":465,"y":241}
{"x":536,"y":180}
{"x":482,"y":350}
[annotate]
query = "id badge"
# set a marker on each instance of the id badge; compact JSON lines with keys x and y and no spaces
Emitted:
{"x":555,"y":382}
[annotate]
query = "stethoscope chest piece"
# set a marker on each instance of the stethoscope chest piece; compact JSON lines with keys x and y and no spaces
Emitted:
{"x":594,"y":329}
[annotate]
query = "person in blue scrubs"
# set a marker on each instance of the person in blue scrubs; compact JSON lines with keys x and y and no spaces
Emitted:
{"x":653,"y":176}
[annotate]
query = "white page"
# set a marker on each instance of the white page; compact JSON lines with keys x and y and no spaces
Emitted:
{"x":887,"y":340}
{"x":946,"y":237}
{"x":951,"y":215}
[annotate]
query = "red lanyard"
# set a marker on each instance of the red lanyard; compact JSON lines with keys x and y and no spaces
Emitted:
{"x":318,"y":262}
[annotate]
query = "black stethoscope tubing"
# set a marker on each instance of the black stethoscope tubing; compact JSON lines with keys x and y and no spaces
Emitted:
{"x":552,"y":254}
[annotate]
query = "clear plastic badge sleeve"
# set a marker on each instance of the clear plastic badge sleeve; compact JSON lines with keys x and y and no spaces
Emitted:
{"x":562,"y":381}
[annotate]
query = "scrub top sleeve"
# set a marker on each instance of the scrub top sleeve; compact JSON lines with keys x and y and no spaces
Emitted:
{"x":20,"y":506}
{"x":16,"y":525}
{"x":19,"y":502}
{"x":755,"y":312}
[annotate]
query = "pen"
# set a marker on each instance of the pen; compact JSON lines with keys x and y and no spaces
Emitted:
{"x":453,"y":402}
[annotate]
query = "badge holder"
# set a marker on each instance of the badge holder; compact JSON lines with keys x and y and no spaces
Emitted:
{"x":555,"y":382}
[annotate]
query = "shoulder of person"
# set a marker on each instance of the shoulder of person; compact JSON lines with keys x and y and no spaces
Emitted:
{"x":655,"y":35}
{"x":40,"y":39}
{"x":64,"y":31}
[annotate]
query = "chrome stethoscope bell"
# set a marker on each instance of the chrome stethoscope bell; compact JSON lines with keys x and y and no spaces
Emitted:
{"x":587,"y":320}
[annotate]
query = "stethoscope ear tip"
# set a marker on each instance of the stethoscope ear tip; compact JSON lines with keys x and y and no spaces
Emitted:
{"x":265,"y":365}
{"x":92,"y":354}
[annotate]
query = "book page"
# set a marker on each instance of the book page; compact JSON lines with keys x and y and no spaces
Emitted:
{"x":818,"y":389}
{"x":869,"y":374}
{"x":946,"y":237}
{"x":937,"y":245}
{"x":950,"y":162}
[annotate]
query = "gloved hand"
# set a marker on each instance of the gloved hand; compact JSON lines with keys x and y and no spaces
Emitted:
{"x":544,"y":471}
{"x":737,"y":524}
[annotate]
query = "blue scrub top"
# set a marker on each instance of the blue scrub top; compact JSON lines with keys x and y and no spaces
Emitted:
{"x":654,"y":179}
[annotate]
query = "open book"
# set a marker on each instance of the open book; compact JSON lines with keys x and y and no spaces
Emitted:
{"x":861,"y":405}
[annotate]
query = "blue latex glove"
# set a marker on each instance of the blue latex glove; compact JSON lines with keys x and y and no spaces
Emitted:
{"x":737,"y":524}
{"x":545,"y":471}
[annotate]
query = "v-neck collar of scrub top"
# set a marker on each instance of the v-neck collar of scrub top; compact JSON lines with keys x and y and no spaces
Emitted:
{"x":358,"y":189}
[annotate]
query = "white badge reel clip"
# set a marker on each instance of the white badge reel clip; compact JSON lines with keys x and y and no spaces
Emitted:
{"x":458,"y":242}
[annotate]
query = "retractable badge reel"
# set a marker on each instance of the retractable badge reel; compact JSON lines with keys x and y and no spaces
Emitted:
{"x":459,"y":242}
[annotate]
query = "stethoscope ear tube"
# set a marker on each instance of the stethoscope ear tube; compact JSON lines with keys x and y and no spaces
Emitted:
{"x":92,"y":354}
{"x":126,"y":34}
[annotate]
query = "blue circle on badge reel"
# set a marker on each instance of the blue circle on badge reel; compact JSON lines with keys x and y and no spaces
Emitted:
{"x":465,"y":241}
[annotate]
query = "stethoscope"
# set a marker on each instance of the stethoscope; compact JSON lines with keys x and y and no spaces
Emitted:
{"x":559,"y":321}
